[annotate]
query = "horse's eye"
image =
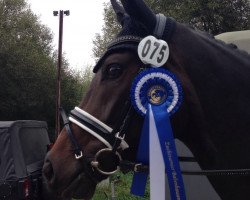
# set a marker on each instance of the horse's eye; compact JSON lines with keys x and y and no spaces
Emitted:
{"x":113,"y":71}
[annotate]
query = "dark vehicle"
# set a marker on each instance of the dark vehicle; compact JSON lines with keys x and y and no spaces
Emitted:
{"x":23,"y":146}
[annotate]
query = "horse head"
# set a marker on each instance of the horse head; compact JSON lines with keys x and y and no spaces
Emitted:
{"x":105,"y":120}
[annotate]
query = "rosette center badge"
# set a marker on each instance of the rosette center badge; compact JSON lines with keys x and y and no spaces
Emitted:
{"x":158,"y":87}
{"x":157,"y":94}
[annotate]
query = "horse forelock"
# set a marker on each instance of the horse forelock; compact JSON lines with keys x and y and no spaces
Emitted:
{"x":131,"y":29}
{"x":138,"y":21}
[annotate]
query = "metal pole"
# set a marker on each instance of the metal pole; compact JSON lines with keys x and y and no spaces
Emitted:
{"x":113,"y":182}
{"x":58,"y":80}
{"x":59,"y":66}
{"x":113,"y":197}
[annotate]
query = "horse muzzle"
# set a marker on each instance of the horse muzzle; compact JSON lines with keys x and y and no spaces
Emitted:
{"x":80,"y":184}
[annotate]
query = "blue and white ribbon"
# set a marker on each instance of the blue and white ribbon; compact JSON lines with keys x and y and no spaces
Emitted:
{"x":156,"y":94}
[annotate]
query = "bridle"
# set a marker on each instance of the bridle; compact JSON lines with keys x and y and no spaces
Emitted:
{"x":112,"y":138}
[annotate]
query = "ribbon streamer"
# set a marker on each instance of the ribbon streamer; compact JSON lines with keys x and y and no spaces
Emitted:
{"x":157,"y":168}
{"x":162,"y":157}
{"x":168,"y":152}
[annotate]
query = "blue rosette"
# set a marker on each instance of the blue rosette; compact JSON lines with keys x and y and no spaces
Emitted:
{"x":156,"y":86}
{"x":157,"y":94}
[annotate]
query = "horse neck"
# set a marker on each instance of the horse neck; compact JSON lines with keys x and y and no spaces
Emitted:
{"x":219,"y":79}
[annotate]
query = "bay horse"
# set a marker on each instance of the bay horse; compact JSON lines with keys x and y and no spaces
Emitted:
{"x":213,"y":119}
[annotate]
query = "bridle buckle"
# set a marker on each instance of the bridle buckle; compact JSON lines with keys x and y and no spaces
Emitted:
{"x":136,"y":167}
{"x":78,"y":156}
{"x":117,"y":135}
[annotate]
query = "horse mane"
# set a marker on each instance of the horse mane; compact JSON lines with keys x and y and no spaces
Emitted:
{"x":212,"y":37}
{"x":232,"y":45}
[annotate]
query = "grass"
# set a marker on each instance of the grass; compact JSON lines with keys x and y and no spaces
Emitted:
{"x":122,"y":189}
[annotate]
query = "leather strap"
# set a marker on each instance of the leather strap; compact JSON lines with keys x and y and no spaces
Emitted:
{"x":160,"y":25}
{"x":77,"y":149}
{"x":164,"y":27}
{"x":127,"y":166}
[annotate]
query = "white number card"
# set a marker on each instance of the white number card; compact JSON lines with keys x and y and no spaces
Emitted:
{"x":153,"y":51}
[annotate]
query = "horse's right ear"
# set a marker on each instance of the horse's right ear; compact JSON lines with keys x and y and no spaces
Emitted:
{"x":121,"y":14}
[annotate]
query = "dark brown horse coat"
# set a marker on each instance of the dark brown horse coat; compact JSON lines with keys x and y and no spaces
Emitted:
{"x":213,"y":120}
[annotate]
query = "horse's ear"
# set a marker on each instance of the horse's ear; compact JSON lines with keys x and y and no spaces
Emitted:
{"x":121,"y":14}
{"x":138,"y":10}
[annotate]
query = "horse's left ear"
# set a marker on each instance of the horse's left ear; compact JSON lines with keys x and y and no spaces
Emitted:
{"x":121,"y":14}
{"x":139,"y":11}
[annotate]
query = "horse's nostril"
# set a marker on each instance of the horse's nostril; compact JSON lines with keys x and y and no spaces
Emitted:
{"x":48,"y":170}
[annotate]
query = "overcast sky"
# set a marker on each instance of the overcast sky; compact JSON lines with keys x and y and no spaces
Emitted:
{"x":85,"y":20}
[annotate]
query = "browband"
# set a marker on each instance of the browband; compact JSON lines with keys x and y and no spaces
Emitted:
{"x":125,"y":40}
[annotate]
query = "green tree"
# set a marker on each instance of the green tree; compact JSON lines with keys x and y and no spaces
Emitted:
{"x":85,"y":78}
{"x":109,"y":30}
{"x":26,"y":63}
{"x":28,"y":68}
{"x":74,"y":85}
{"x":213,"y":16}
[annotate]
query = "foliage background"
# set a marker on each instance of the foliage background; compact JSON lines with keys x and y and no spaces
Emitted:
{"x":122,"y":189}
{"x":28,"y":68}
